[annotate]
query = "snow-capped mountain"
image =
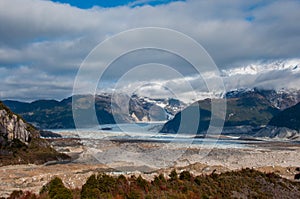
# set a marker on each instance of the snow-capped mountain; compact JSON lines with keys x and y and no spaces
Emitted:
{"x":292,"y":65}
{"x":155,"y":109}
{"x":276,"y":75}
{"x":110,"y":109}
{"x":281,"y":99}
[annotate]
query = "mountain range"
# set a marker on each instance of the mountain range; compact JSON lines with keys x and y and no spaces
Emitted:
{"x":284,"y":125}
{"x":261,"y":67}
{"x":52,"y":114}
{"x":289,"y":118}
{"x":248,"y":111}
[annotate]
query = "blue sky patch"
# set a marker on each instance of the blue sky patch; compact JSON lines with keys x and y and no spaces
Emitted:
{"x":85,"y":4}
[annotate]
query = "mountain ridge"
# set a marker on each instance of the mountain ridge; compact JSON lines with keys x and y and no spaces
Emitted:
{"x":249,"y":109}
{"x":264,"y":67}
{"x":289,"y":118}
{"x":53,"y":114}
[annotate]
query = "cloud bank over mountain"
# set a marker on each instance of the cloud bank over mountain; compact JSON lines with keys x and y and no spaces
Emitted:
{"x":43,"y":43}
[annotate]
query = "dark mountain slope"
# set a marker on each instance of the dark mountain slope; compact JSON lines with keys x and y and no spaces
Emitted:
{"x":289,"y":118}
{"x":52,"y":114}
{"x":249,"y":109}
{"x":280,"y":99}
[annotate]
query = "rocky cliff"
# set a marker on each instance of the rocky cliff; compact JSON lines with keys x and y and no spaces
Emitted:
{"x":281,"y":133}
{"x":13,"y":126}
{"x":20,"y":142}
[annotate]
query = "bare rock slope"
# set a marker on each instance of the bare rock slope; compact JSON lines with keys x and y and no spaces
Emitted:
{"x":20,"y":142}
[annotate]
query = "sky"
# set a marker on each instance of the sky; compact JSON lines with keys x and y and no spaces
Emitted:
{"x":112,"y":3}
{"x":43,"y":43}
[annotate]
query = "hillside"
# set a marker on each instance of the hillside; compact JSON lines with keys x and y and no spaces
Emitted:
{"x":52,"y":114}
{"x":20,"y":142}
{"x":289,"y":118}
{"x":247,"y":109}
{"x":281,"y":99}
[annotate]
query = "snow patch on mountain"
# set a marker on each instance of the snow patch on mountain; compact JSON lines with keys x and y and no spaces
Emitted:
{"x":170,"y":106}
{"x":292,"y":65}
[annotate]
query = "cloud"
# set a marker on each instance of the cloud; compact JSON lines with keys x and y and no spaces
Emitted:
{"x":27,"y":84}
{"x":50,"y":40}
{"x":277,"y":75}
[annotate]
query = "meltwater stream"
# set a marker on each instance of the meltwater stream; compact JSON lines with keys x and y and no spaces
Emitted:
{"x":140,"y":145}
{"x":148,"y":132}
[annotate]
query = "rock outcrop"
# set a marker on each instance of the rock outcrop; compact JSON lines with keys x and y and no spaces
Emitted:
{"x":20,"y":142}
{"x":278,"y":133}
{"x":13,"y":126}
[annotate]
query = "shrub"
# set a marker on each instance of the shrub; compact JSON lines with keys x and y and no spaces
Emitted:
{"x":91,"y":193}
{"x":15,"y":194}
{"x":173,"y":175}
{"x":90,"y":188}
{"x":297,"y":176}
{"x":133,"y":194}
{"x":56,"y":189}
{"x":142,"y":183}
{"x":185,"y":175}
{"x":106,"y":183}
{"x":159,"y":180}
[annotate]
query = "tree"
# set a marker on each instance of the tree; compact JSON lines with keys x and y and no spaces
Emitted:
{"x":90,"y":188}
{"x":56,"y":189}
{"x":185,"y":175}
{"x":173,"y":175}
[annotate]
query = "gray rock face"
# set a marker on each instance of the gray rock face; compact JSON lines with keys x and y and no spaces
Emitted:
{"x":13,"y":127}
{"x":279,"y":133}
{"x":20,"y":142}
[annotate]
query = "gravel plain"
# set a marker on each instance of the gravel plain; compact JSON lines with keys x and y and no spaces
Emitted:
{"x":146,"y":158}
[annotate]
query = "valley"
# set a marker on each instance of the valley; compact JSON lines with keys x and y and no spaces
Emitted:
{"x":149,"y":99}
{"x":279,"y":157}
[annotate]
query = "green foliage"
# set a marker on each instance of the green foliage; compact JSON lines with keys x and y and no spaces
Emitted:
{"x":159,"y":180}
{"x":142,"y":183}
{"x":185,"y":175}
{"x":90,"y":188}
{"x":247,"y":183}
{"x":197,"y":180}
{"x":16,"y":145}
{"x":97,"y":185}
{"x":38,"y":151}
{"x":22,"y":195}
{"x":56,"y":189}
{"x":16,"y":194}
{"x":106,"y":183}
{"x":173,"y":175}
{"x":133,"y":194}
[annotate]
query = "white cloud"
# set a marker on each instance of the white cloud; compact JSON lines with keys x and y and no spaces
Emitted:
{"x":52,"y":39}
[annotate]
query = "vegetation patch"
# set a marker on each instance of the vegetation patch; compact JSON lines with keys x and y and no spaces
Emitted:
{"x":246,"y":183}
